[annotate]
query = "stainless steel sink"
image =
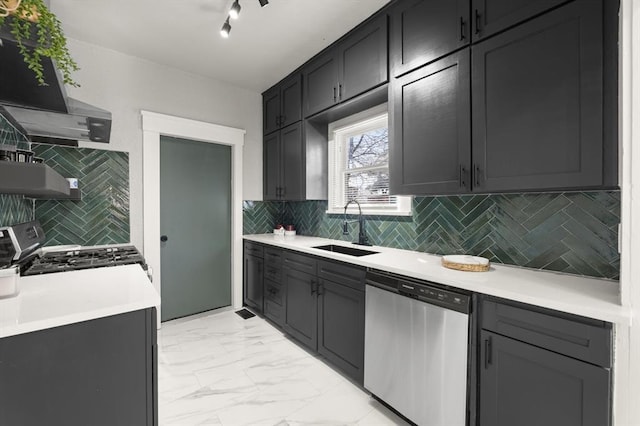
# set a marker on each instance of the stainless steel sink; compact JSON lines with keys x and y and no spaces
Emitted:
{"x":351,"y":251}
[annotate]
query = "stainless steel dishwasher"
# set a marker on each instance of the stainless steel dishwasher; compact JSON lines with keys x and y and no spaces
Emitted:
{"x":417,"y":348}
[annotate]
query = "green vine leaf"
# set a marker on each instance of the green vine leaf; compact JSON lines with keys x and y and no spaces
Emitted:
{"x":49,"y":40}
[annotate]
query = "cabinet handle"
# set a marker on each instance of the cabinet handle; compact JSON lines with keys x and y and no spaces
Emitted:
{"x":334,"y":94}
{"x":340,"y":91}
{"x":313,"y":286}
{"x":476,"y":175}
{"x":283,"y":190}
{"x":487,"y":353}
{"x":461,"y":180}
{"x":477,"y":18}
{"x":461,"y":28}
{"x":283,"y":119}
{"x":320,"y":289}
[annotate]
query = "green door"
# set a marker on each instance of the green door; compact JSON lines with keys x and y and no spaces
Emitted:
{"x":195,"y":224}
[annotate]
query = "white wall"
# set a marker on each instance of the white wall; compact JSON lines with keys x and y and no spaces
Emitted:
{"x":125,"y":85}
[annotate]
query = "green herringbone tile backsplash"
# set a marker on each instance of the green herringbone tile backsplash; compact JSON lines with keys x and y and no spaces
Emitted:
{"x":102,"y":216}
{"x":573,"y":232}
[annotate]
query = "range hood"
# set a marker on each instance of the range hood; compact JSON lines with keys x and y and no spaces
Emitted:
{"x":45,"y":114}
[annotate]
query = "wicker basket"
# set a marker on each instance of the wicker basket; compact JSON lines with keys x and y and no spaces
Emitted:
{"x":466,"y":263}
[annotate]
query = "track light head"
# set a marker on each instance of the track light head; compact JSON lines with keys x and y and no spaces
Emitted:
{"x":226,"y":29}
{"x":234,"y":12}
{"x":263,"y":3}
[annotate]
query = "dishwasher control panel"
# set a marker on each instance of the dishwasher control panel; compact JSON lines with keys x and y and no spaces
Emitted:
{"x":422,"y":290}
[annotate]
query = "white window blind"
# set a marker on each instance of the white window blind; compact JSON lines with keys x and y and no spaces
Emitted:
{"x":359,"y":165}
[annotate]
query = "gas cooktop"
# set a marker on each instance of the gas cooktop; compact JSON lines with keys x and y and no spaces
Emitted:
{"x":87,"y":258}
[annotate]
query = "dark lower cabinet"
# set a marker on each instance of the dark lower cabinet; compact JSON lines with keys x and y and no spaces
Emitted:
{"x":101,"y":372}
{"x":273,"y":289}
{"x":341,"y":327}
{"x":324,"y":309}
{"x":537,"y":111}
{"x":524,"y":385}
{"x":542,"y":367}
{"x":301,"y":307}
{"x":431,"y":124}
{"x":253,"y":276}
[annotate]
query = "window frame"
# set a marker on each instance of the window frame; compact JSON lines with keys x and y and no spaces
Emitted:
{"x":338,"y":133}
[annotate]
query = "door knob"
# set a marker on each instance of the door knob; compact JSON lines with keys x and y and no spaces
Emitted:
{"x":164,"y":238}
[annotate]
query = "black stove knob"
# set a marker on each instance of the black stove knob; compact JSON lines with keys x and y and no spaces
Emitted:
{"x":164,"y":238}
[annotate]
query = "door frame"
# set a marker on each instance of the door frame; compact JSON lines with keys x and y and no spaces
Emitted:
{"x":153,"y":126}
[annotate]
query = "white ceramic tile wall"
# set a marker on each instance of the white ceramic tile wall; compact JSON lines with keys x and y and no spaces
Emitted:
{"x":218,"y":369}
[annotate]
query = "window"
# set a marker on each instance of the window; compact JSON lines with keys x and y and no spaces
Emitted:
{"x":359,"y":165}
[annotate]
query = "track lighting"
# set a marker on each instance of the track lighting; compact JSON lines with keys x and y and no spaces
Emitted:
{"x":234,"y":12}
{"x":226,"y":29}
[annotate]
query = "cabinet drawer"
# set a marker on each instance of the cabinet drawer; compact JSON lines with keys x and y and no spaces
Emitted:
{"x":571,"y":337}
{"x":274,"y":312}
{"x":299,"y":262}
{"x":341,"y":273}
{"x":273,"y":291}
{"x":273,"y":264}
{"x":253,"y":249}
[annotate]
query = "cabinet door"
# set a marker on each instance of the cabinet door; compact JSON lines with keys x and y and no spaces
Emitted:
{"x":537,"y":103}
{"x":430,"y":122}
{"x":301,"y":307}
{"x":271,"y":166}
{"x":292,"y":183}
{"x":527,"y":386}
{"x":341,"y":327}
{"x":101,"y":372}
{"x":425,"y":30}
{"x":492,"y":16}
{"x":320,"y":83}
{"x":291,"y":96}
{"x":271,"y":110}
{"x":253,"y":267}
{"x":363,"y":59}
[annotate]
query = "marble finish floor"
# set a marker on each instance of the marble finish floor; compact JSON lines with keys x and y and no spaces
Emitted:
{"x":218,"y":369}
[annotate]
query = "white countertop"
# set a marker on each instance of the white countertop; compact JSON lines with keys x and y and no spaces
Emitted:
{"x":588,"y":297}
{"x":62,"y":298}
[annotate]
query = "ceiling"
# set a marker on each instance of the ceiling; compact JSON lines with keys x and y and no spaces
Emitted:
{"x":265,"y":43}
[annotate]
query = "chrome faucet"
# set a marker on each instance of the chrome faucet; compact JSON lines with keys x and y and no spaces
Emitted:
{"x":363,"y":240}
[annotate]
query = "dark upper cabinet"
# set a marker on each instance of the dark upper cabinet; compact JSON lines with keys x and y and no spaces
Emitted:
{"x":271,"y":167}
{"x":363,"y":59}
{"x":320,"y":83}
{"x":282,"y":104}
{"x":295,"y":164}
{"x":425,"y":30}
{"x":492,"y":16}
{"x":430,"y":118}
{"x":271,"y":110}
{"x":292,"y":182}
{"x":353,"y":66}
{"x":283,"y":164}
{"x":537,"y":103}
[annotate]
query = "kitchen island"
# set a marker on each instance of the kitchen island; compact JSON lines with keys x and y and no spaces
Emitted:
{"x":79,"y":348}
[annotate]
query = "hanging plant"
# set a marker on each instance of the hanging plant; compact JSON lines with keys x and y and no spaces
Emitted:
{"x":49,"y":39}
